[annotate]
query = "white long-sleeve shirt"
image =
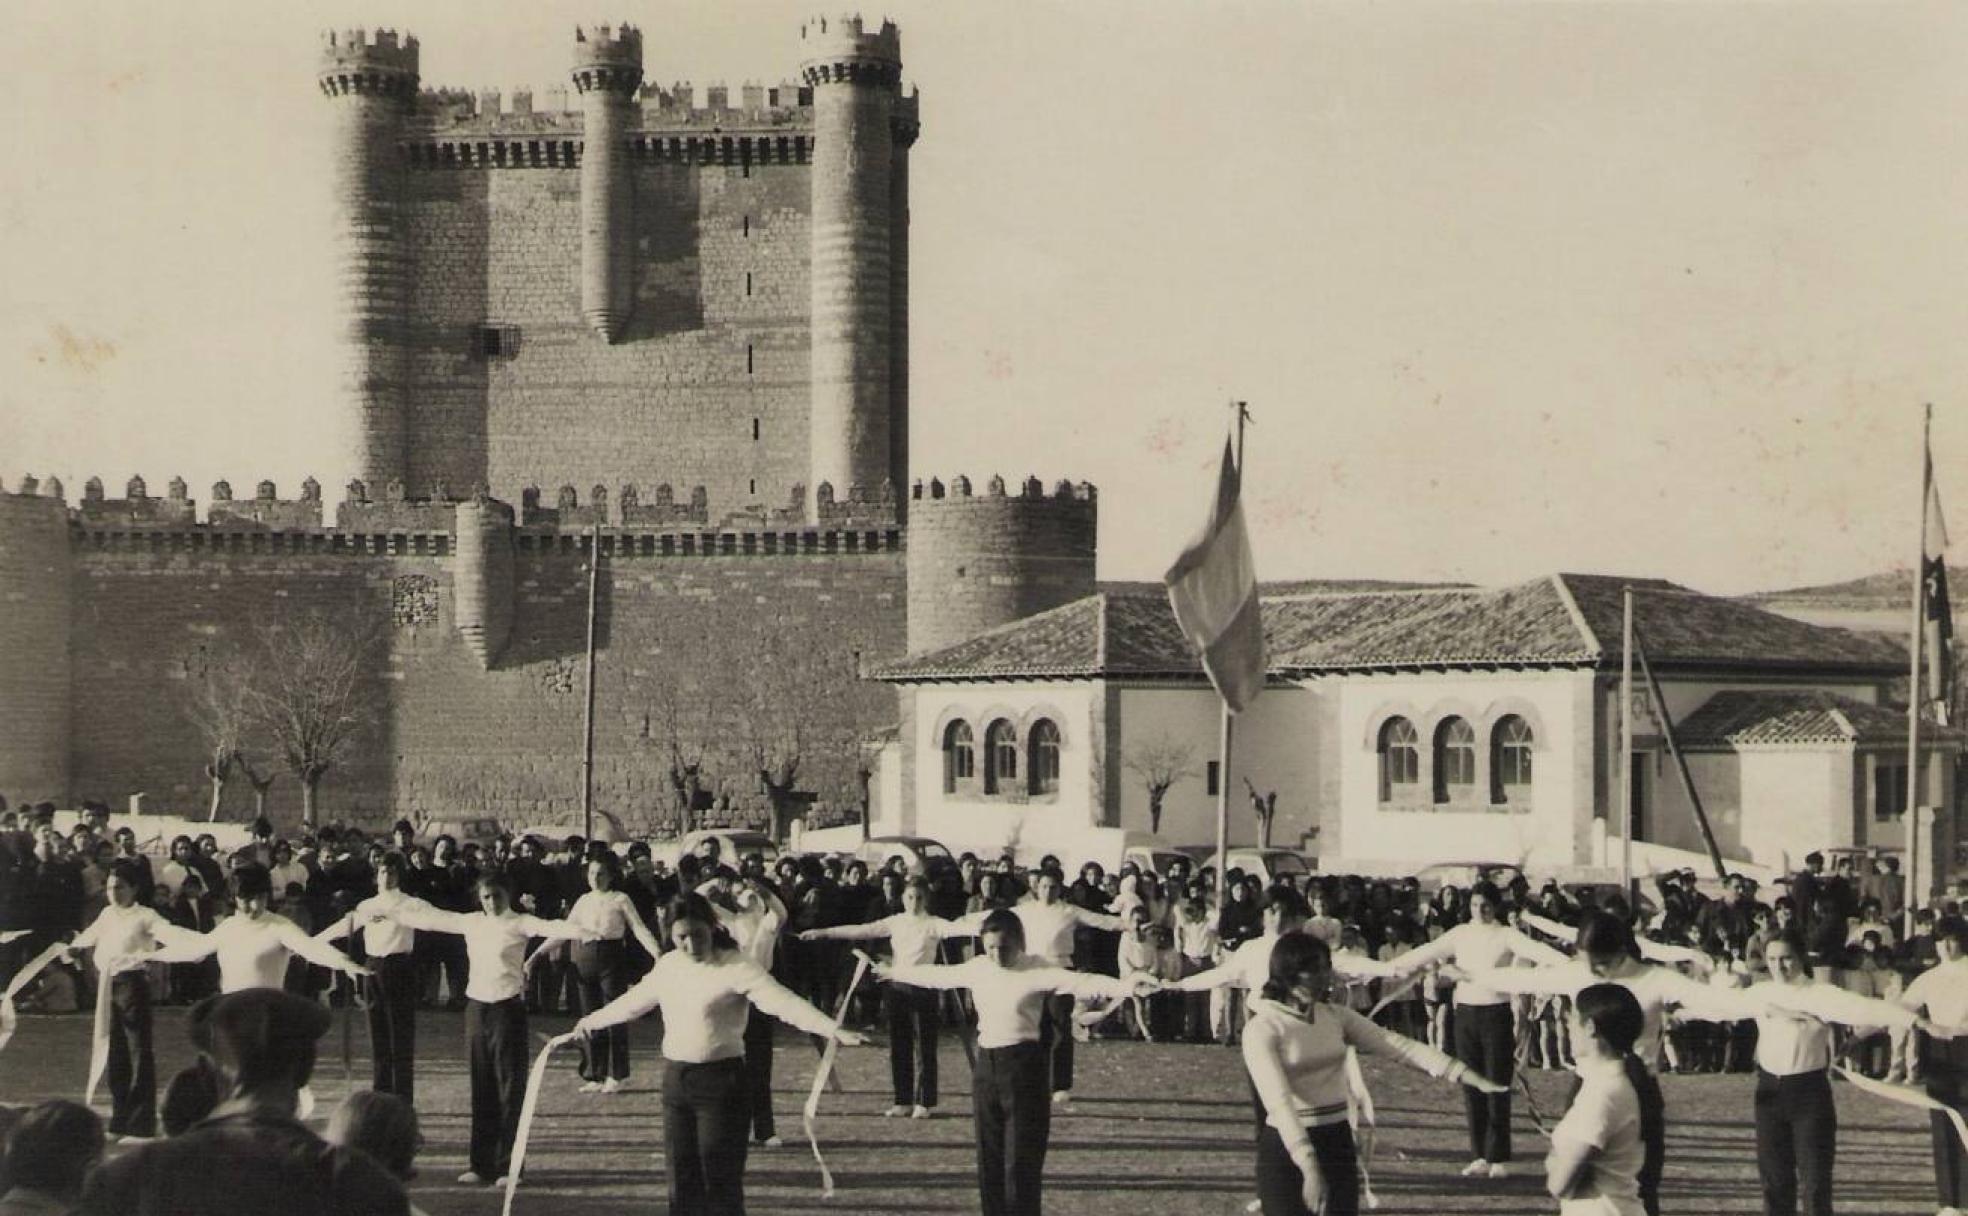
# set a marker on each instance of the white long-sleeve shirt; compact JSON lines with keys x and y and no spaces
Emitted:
{"x":253,"y":951}
{"x":1049,"y":927}
{"x":1604,"y":1118}
{"x":383,"y":936}
{"x":1298,"y":1064}
{"x":912,"y":937}
{"x":122,"y":937}
{"x":611,"y":916}
{"x":1009,"y":1000}
{"x":495,"y":946}
{"x":1942,"y":990}
{"x":1474,"y":946}
{"x":1792,"y":1031}
{"x":1249,"y":966}
{"x":1655,"y":988}
{"x":706,"y":1004}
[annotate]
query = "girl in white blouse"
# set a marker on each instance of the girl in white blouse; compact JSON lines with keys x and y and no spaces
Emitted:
{"x":603,"y":968}
{"x":914,"y":938}
{"x":1011,"y":1074}
{"x":1614,"y":1131}
{"x":1483,"y":1027}
{"x":1295,"y":1048}
{"x":706,"y":988}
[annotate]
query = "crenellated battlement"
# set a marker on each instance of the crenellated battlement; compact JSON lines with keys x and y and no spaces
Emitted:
{"x":356,"y":63}
{"x":980,"y":560}
{"x":608,"y":61}
{"x":1030,"y":490}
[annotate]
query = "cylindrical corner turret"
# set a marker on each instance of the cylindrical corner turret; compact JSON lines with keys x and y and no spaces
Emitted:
{"x":607,"y":71}
{"x":373,"y":83}
{"x":856,"y":80}
{"x":35,"y":696}
{"x":482,"y":578}
{"x":978,"y":561}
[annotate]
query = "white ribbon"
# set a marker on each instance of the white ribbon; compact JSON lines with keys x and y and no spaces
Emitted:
{"x":1906,"y":1095}
{"x":1406,"y":986}
{"x":526,"y":1109}
{"x":1360,"y":1114}
{"x":10,"y":1016}
{"x":13,"y":935}
{"x":810,"y":1113}
{"x":99,"y":1030}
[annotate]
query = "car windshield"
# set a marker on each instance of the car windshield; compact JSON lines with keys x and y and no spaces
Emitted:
{"x":1287,"y":863}
{"x":934,"y":850}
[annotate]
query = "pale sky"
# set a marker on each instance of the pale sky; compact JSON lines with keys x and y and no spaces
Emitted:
{"x":1641,"y":288}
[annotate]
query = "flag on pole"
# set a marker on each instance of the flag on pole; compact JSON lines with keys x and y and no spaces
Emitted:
{"x":1213,"y":589}
{"x":1936,"y":618}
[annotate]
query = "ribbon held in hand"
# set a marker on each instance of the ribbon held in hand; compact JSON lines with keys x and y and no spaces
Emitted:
{"x":810,"y":1113}
{"x":9,"y":1016}
{"x":526,"y":1109}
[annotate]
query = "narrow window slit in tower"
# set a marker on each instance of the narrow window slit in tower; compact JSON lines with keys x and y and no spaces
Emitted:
{"x":755,"y":430}
{"x":755,"y":486}
{"x":748,"y":358}
{"x":748,"y":282}
{"x":748,"y":227}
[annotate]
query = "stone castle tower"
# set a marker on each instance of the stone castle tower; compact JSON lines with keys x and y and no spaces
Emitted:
{"x":696,"y":310}
{"x":639,"y":289}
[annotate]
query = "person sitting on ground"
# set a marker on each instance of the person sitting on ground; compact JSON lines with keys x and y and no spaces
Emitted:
{"x":251,"y":1154}
{"x":49,"y":1151}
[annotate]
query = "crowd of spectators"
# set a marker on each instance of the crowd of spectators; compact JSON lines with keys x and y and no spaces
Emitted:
{"x":52,"y":885}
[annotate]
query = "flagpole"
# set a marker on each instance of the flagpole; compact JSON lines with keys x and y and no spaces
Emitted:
{"x":1225,"y":736}
{"x":1912,"y":880}
{"x":1626,"y":748}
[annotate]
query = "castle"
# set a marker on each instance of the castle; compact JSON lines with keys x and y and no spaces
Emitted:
{"x":699,"y":313}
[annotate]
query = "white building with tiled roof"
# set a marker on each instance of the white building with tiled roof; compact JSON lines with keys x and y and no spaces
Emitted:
{"x":1415,"y":725}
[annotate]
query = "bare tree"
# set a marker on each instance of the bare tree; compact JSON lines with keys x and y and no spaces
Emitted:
{"x":790,"y":707}
{"x":260,"y":787}
{"x":1265,"y":807}
{"x":1161,"y":762}
{"x":218,"y":699}
{"x":312,"y":694}
{"x":684,"y":739}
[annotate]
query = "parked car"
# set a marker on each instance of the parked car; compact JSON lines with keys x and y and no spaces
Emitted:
{"x":733,"y":846}
{"x":477,"y":829}
{"x":1465,"y":874}
{"x":1268,"y":865}
{"x":608,"y":829}
{"x":919,"y":854}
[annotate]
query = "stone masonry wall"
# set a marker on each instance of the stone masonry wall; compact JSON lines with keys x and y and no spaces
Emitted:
{"x":684,"y":630}
{"x":718,"y":337}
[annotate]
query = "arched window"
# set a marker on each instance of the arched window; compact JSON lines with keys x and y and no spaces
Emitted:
{"x":1000,"y":756}
{"x":1042,"y":763}
{"x":959,"y":755}
{"x":1510,"y":759}
{"x":1400,"y":760}
{"x":1455,"y":759}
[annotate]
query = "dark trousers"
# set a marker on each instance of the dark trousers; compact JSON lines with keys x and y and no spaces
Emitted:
{"x":1796,"y":1137}
{"x":913,"y":1018}
{"x":441,"y":956}
{"x":393,"y":1024}
{"x":603,"y":968}
{"x":132,"y":1068}
{"x":1013,"y":1113}
{"x":1280,"y":1185}
{"x":1485,"y":1041}
{"x":705,"y":1116}
{"x":495,"y":1039}
{"x":1944,"y":1067}
{"x":759,"y":1027}
{"x":1056,"y":1036}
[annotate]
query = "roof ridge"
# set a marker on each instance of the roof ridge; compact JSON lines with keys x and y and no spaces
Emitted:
{"x":1100,"y":632}
{"x":1844,"y":723}
{"x":1592,"y":643}
{"x":1371,"y":594}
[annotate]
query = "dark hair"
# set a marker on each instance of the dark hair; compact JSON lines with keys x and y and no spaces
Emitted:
{"x":1955,"y":929}
{"x":692,"y":906}
{"x":1289,"y":903}
{"x":1614,"y":1015}
{"x":493,"y":881}
{"x":1602,"y":933}
{"x":1295,"y":955}
{"x":382,"y":1125}
{"x":129,"y":870}
{"x":189,"y":1096}
{"x":917,"y":883}
{"x":1487,"y":890}
{"x":250,"y":880}
{"x":53,"y":1145}
{"x":1794,"y":938}
{"x":395,"y":863}
{"x":1005,"y":923}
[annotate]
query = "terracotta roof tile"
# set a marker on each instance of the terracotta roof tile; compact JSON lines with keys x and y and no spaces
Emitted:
{"x":1794,"y":716}
{"x":1562,"y":620}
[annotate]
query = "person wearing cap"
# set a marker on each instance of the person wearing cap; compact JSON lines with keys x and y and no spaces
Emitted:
{"x":496,"y":1039}
{"x":254,"y":944}
{"x":251,"y":1154}
{"x":123,"y":937}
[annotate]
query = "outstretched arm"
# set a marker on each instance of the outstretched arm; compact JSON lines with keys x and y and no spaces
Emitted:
{"x":1441,"y":950}
{"x":927,"y":975}
{"x":781,"y":1002}
{"x":556,"y":930}
{"x":1098,"y":920}
{"x":416,"y":914}
{"x":872,"y":931}
{"x":1365,"y":1035}
{"x":643,"y":997}
{"x":320,"y":953}
{"x":640,"y":928}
